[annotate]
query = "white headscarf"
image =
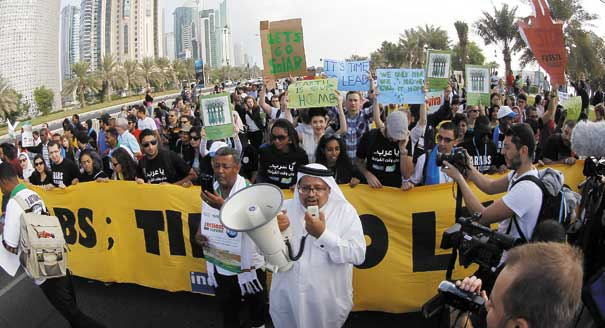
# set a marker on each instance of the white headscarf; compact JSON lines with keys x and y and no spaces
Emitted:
{"x":326,"y":176}
{"x":29,"y":169}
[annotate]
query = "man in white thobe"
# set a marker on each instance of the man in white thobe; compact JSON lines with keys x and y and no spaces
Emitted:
{"x":317,"y":291}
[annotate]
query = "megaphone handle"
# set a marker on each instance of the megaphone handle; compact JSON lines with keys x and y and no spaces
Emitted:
{"x":300,"y":250}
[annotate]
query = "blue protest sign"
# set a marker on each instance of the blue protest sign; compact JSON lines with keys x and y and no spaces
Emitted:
{"x":351,"y":75}
{"x":400,"y":86}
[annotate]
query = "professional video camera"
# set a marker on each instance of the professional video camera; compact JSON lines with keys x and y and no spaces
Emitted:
{"x":455,"y":297}
{"x":456,"y":158}
{"x":477,"y":243}
{"x":594,"y":166}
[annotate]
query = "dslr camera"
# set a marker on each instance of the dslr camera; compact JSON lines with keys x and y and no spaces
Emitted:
{"x":456,"y":158}
{"x":477,"y":243}
{"x":455,"y":297}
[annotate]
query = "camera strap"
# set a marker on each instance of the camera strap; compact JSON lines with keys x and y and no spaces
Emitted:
{"x":454,"y":257}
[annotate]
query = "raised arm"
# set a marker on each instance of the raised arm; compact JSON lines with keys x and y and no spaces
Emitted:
{"x":342,"y":120}
{"x":284,"y":107}
{"x":263,"y":103}
{"x":373,"y":96}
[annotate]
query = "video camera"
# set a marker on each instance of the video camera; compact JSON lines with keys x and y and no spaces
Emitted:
{"x":455,"y":297}
{"x":456,"y":158}
{"x":594,"y":166}
{"x":477,"y":243}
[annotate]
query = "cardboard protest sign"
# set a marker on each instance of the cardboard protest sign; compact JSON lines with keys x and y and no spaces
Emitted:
{"x":545,"y":39}
{"x":283,"y":48}
{"x":438,"y":69}
{"x":217,"y":116}
{"x":400,"y":86}
{"x":351,"y":75}
{"x":27,"y":137}
{"x":435,"y":100}
{"x":477,"y":85}
{"x":313,"y":93}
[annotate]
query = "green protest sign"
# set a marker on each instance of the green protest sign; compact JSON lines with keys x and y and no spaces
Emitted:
{"x":217,"y":116}
{"x":438,"y":68}
{"x":477,"y":85}
{"x":313,"y":93}
{"x":283,"y":48}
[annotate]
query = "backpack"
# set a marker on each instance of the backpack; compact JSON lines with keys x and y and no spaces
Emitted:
{"x":559,"y":202}
{"x":42,"y":244}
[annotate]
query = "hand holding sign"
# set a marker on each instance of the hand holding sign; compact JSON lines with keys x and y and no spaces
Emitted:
{"x":545,"y":39}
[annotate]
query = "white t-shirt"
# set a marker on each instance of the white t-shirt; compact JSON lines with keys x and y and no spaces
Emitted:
{"x":12,"y":224}
{"x":525,"y":200}
{"x":274,"y":111}
{"x":147,"y":123}
{"x":252,"y":127}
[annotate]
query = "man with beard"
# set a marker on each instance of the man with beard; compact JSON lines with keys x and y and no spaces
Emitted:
{"x":522,"y":201}
{"x":427,"y":171}
{"x":557,"y":149}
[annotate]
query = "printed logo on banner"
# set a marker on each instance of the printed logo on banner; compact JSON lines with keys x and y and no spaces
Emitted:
{"x":199,"y":283}
{"x":231,"y":233}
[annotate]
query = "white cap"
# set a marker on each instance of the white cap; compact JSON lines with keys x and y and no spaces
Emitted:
{"x":505,"y":111}
{"x":215,"y":147}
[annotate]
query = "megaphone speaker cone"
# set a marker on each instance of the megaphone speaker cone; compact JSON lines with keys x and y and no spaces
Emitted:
{"x":251,"y":207}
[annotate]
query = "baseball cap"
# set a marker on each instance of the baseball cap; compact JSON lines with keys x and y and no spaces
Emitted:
{"x":505,"y":111}
{"x":397,"y":125}
{"x":215,"y":147}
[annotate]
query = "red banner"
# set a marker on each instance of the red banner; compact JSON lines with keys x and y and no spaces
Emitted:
{"x":545,"y":39}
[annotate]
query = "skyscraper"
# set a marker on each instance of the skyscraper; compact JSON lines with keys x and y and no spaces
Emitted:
{"x":169,"y":51}
{"x":70,"y":39}
{"x":92,"y":31}
{"x":29,"y":35}
{"x":136,"y":29}
{"x":186,"y":32}
{"x":209,"y":17}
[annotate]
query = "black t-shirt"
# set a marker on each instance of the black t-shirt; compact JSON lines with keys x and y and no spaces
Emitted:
{"x":36,"y":180}
{"x":96,"y":174}
{"x":484,"y":154}
{"x":185,"y":151}
{"x":167,"y":166}
{"x":382,"y":157}
{"x":249,"y":162}
{"x":555,"y":149}
{"x":64,"y":172}
{"x":280,"y":168}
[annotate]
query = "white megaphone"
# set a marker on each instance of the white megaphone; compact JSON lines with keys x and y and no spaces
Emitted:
{"x":254,"y":210}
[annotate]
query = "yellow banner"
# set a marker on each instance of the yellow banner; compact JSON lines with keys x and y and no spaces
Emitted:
{"x":124,"y":232}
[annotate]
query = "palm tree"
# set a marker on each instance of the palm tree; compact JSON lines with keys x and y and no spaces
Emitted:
{"x":180,"y":72}
{"x":166,"y":72}
{"x":8,"y":100}
{"x":131,"y":74}
{"x":150,"y":72}
{"x":189,"y":69}
{"x":500,"y":29}
{"x":462,"y":30}
{"x":81,"y":83}
{"x":109,"y":75}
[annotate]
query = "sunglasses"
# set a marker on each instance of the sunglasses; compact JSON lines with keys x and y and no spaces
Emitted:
{"x":280,"y":138}
{"x":38,"y":163}
{"x":473,"y":111}
{"x":147,"y":144}
{"x":130,"y":122}
{"x":194,"y":137}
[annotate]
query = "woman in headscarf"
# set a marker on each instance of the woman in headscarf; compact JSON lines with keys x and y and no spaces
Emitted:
{"x":26,"y":165}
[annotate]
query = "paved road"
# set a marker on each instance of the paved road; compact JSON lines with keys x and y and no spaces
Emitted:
{"x":22,"y":305}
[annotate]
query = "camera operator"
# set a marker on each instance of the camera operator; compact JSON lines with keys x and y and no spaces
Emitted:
{"x":539,"y":287}
{"x":523,"y":201}
{"x":427,"y":172}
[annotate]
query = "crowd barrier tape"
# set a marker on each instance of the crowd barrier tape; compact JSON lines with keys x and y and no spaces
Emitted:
{"x":143,"y":234}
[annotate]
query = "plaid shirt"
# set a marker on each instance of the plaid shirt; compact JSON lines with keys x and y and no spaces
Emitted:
{"x":356,"y":127}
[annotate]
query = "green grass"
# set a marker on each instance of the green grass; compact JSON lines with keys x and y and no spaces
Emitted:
{"x":69,"y":112}
{"x":574,"y":106}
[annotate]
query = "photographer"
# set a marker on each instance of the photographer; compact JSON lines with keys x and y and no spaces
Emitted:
{"x":427,"y":172}
{"x":522,"y":201}
{"x":540,"y":287}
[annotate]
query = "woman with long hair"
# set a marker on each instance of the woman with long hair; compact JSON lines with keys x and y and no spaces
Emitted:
{"x":68,"y":146}
{"x":42,"y":175}
{"x":279,"y":161}
{"x":88,"y":171}
{"x":124,"y":166}
{"x":91,"y":133}
{"x":331,"y":152}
